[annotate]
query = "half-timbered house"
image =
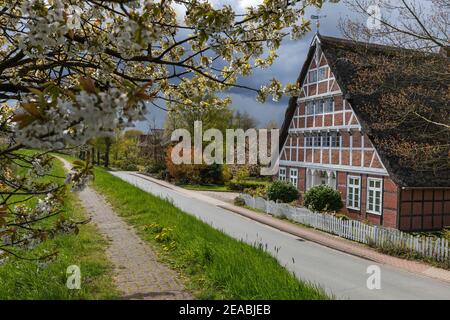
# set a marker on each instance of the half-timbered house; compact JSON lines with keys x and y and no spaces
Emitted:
{"x":325,"y":139}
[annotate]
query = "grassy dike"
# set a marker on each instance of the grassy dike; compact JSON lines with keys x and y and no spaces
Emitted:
{"x":21,"y":279}
{"x":215,"y":265}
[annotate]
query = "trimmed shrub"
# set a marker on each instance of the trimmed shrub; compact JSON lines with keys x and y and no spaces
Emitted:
{"x":242,"y":173}
{"x":117,"y":164}
{"x":241,"y":185}
{"x":227,"y":175}
{"x":323,"y":199}
{"x":341,"y":216}
{"x":258,"y":192}
{"x":238,"y":201}
{"x":155,"y":167}
{"x":282,"y":191}
{"x":130,"y":167}
{"x":211,"y":174}
{"x":193,"y":173}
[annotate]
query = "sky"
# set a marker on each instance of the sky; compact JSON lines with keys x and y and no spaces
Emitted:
{"x":286,"y":68}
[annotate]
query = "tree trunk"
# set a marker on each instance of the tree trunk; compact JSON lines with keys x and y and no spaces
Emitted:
{"x":107,"y":151}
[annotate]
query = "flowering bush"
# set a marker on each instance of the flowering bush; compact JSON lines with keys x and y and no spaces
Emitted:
{"x":257,"y":192}
{"x":77,"y":70}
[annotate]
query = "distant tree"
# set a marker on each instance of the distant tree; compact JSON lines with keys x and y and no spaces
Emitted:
{"x":108,"y":142}
{"x":203,"y":105}
{"x":412,"y":24}
{"x":244,"y":120}
{"x":272,"y":124}
{"x":128,"y":145}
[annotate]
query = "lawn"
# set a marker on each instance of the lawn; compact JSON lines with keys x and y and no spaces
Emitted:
{"x":214,"y":265}
{"x":205,"y":187}
{"x":220,"y":188}
{"x":21,"y":279}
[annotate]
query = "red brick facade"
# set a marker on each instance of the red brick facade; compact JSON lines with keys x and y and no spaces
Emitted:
{"x":388,"y":217}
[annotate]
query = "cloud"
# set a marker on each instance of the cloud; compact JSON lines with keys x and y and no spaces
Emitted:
{"x":237,"y":4}
{"x":262,"y":112}
{"x":286,"y":68}
{"x":248,"y":3}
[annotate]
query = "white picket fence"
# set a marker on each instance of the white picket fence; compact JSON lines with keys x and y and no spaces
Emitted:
{"x":431,"y":247}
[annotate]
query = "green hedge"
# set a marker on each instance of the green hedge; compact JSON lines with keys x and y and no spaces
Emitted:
{"x":241,"y":185}
{"x":323,"y":199}
{"x":282,"y":191}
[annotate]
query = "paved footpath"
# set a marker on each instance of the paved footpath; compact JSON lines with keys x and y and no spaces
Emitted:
{"x":338,"y":266}
{"x":138,"y":273}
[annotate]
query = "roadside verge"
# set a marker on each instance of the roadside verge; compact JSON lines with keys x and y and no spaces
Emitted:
{"x":319,"y":237}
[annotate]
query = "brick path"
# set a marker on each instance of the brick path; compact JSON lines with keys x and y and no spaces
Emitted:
{"x":138,"y":273}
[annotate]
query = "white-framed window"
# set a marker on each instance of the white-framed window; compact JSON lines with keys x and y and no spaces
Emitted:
{"x":282,"y":174}
{"x":293,"y":176}
{"x":308,"y":141}
{"x":335,"y":139}
{"x":317,"y":140}
{"x":313,"y":76}
{"x":309,"y":107}
{"x":326,"y":140}
{"x":322,"y":73}
{"x":354,"y":192}
{"x":319,"y":107}
{"x":374,"y":195}
{"x":331,"y":139}
{"x":329,"y":105}
{"x":314,"y":107}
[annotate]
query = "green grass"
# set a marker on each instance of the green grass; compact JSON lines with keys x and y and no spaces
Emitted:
{"x":21,"y":279}
{"x":218,"y":188}
{"x":203,"y":187}
{"x":214,"y":265}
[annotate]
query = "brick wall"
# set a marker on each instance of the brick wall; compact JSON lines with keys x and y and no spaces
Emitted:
{"x":424,"y":209}
{"x":407,"y":210}
{"x":390,"y":196}
{"x":389,"y":215}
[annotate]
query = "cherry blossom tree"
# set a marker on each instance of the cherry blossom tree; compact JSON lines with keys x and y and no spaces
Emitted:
{"x":74,"y":70}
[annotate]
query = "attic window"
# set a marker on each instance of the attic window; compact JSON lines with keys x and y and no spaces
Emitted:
{"x":313,"y":76}
{"x":322,"y":73}
{"x":331,"y":139}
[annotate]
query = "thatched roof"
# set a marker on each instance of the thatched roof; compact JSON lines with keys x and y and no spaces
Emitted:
{"x":346,"y":59}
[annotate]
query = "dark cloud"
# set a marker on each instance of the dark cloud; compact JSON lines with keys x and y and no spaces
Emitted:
{"x":286,"y":68}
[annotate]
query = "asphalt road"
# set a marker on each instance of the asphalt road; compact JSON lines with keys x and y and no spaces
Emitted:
{"x":343,"y":275}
